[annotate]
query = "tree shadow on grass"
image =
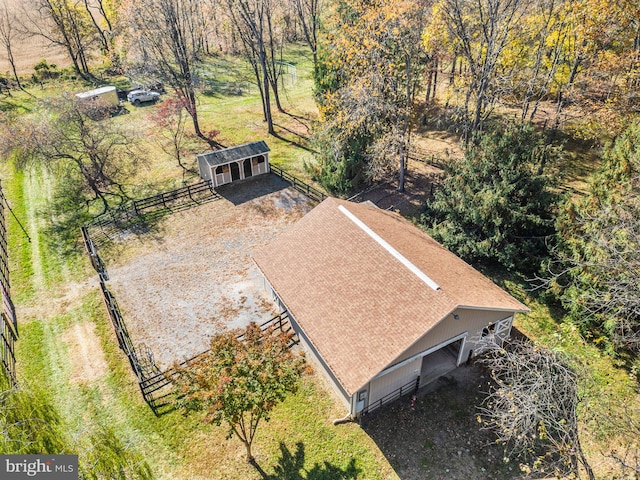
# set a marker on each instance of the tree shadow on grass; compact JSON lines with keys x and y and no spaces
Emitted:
{"x":291,"y":467}
{"x":300,"y":142}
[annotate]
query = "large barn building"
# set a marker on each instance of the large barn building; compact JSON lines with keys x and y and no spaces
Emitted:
{"x":378,"y":303}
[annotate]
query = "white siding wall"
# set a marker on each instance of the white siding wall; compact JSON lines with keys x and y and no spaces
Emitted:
{"x":471,"y":321}
{"x":204,"y":169}
{"x":385,"y":384}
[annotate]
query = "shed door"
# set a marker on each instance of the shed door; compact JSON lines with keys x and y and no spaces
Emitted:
{"x":246,"y":165}
{"x":235,"y":171}
{"x":259,"y":165}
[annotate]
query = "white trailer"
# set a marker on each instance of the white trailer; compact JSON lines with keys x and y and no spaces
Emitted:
{"x":106,"y":94}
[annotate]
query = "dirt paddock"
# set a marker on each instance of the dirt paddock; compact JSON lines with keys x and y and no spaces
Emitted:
{"x":193,"y":275}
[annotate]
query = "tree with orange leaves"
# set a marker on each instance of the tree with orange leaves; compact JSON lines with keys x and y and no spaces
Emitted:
{"x":371,"y":66}
{"x":241,"y":380}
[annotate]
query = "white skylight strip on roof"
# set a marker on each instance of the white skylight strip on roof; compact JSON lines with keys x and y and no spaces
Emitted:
{"x":415,"y":270}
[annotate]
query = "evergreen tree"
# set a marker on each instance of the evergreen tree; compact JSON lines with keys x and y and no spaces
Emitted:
{"x":497,"y":203}
{"x":597,"y":266}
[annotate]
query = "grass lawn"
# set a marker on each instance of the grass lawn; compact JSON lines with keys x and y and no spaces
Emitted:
{"x":69,"y":361}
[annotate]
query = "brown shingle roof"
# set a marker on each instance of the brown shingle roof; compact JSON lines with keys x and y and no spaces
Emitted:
{"x":358,"y":304}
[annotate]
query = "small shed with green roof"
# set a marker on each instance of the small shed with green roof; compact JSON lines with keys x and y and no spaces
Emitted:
{"x":234,"y":163}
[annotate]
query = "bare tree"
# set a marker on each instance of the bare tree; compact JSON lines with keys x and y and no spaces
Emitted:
{"x":171,"y":119}
{"x":275,"y":44}
{"x":250,"y":18}
{"x":95,"y":155}
{"x":63,"y":23}
{"x":532,"y":406}
{"x":104,"y":34}
{"x":480,"y":31}
{"x":165,"y":44}
{"x":8,"y":35}
{"x":309,"y":12}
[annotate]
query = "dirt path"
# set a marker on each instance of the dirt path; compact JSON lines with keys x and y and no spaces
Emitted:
{"x":88,"y":362}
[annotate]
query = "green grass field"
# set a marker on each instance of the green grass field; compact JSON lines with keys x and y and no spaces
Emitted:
{"x":56,"y":297}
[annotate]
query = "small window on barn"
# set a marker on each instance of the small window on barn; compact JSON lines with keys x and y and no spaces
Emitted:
{"x":219,"y":170}
{"x":489,"y":330}
{"x":260,"y":159}
{"x":225,"y":168}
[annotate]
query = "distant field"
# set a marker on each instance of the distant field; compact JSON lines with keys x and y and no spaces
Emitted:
{"x":28,"y":51}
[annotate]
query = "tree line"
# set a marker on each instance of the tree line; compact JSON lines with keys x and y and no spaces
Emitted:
{"x":385,"y":70}
{"x":501,"y":74}
{"x":167,"y":40}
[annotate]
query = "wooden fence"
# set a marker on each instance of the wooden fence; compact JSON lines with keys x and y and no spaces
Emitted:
{"x":155,"y":384}
{"x":423,"y":156}
{"x":180,"y":197}
{"x":140,"y":359}
{"x":114,"y":221}
{"x":156,"y":388}
{"x":311,"y":192}
{"x":132,"y":213}
{"x":405,"y":389}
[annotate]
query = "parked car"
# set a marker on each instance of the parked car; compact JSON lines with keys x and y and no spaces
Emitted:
{"x":139,"y":96}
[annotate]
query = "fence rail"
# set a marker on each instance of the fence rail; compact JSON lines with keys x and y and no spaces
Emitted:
{"x":7,"y":345}
{"x":131,"y":213}
{"x":303,"y":187}
{"x":8,"y":319}
{"x":96,"y":261}
{"x":113,"y":221}
{"x":420,"y":155}
{"x":136,"y":360}
{"x":162,"y":380}
{"x":171,"y":199}
{"x":405,"y":389}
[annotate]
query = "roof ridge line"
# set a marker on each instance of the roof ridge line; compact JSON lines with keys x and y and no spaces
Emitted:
{"x":389,"y":248}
